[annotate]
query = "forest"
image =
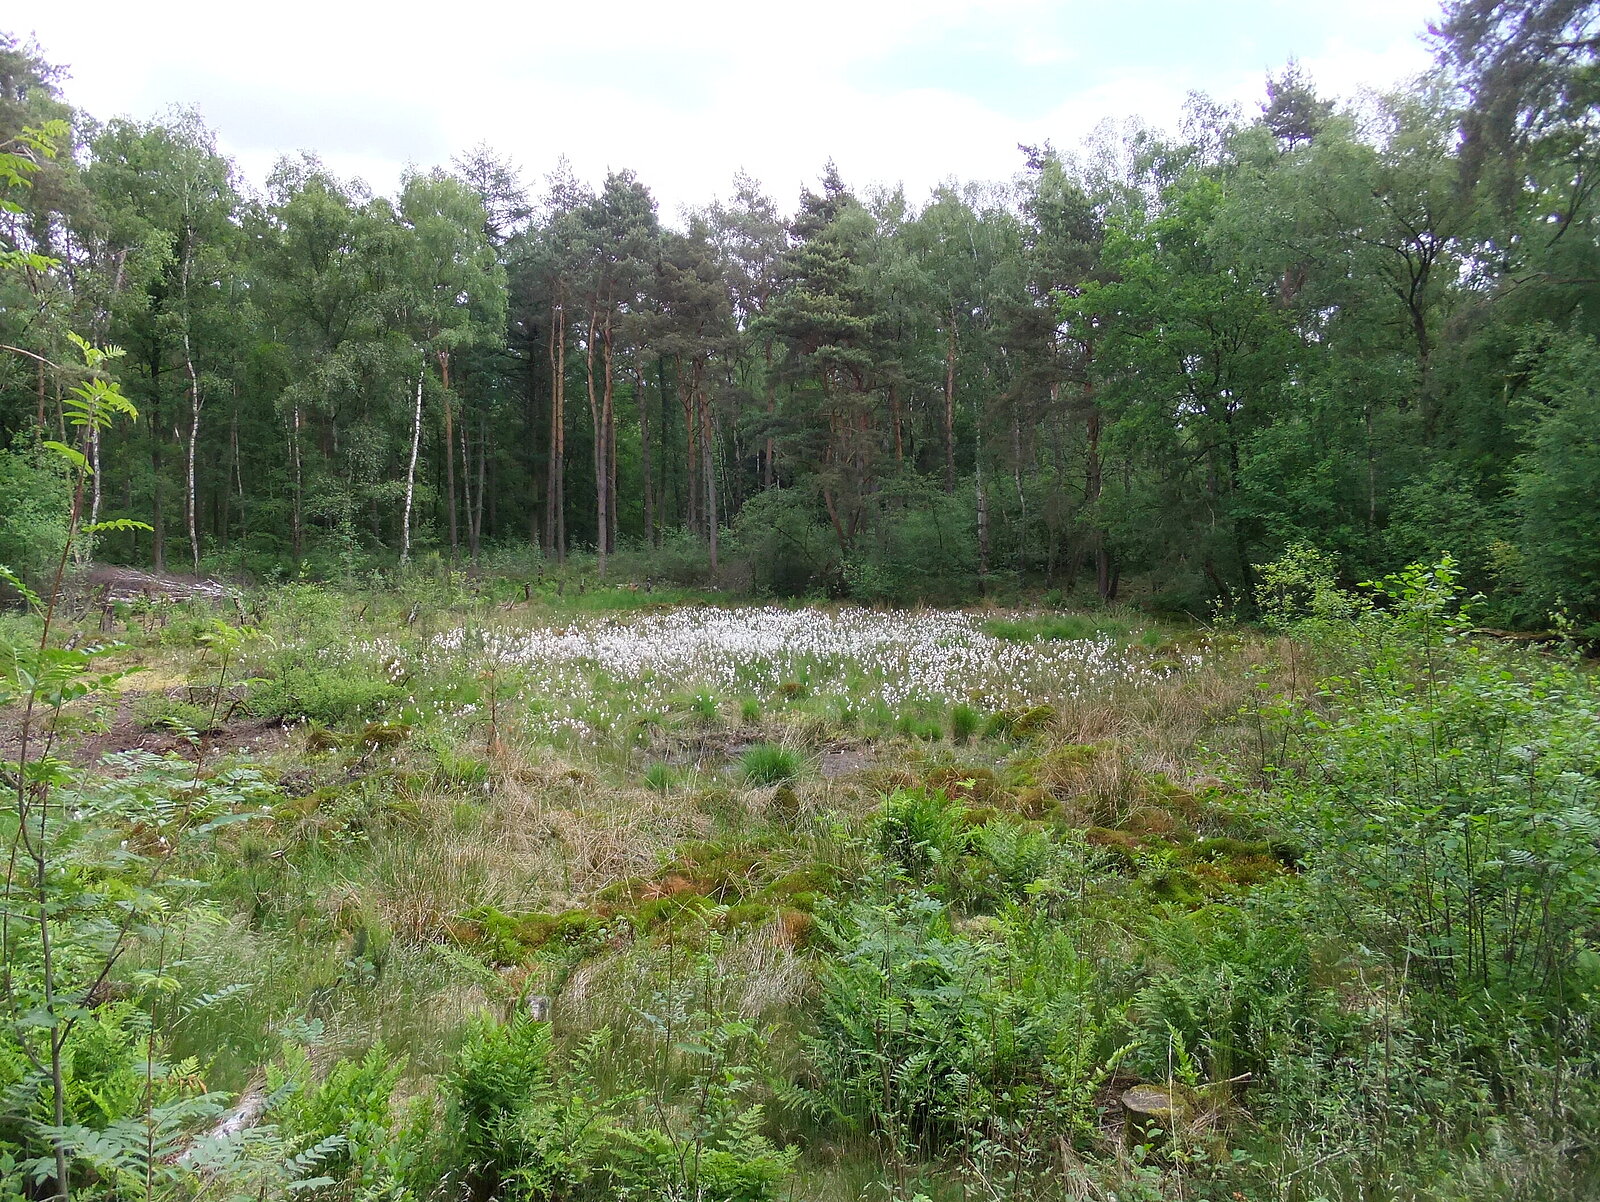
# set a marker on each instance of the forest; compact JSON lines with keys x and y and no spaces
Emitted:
{"x":1078,"y":688}
{"x":1150,"y":361}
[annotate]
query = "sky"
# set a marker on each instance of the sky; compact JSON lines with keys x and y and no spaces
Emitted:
{"x":687,"y":93}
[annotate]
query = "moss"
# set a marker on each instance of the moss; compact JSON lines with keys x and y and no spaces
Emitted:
{"x":672,"y":910}
{"x":1033,"y":802}
{"x":964,"y":782}
{"x":1154,"y":820}
{"x":802,"y":888}
{"x":746,"y":914}
{"x":384,"y":734}
{"x":973,"y":817}
{"x":1019,"y":722}
{"x":320,"y":741}
{"x":784,"y":805}
{"x":1175,"y":885}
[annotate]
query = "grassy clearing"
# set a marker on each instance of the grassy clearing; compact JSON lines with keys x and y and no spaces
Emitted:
{"x":805,"y":918}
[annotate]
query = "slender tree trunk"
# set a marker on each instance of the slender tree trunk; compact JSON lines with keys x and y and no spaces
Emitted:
{"x":950,"y":407}
{"x":768,"y":472}
{"x":411,"y":470}
{"x":471,"y":502}
{"x":1093,"y":484}
{"x":158,"y":524}
{"x":555,"y":516}
{"x":189,"y":502}
{"x":982,"y":502}
{"x":608,"y":422}
{"x":895,"y":423}
{"x":238,"y":467}
{"x":644,"y":457}
{"x":449,"y":457}
{"x":190,"y":507}
{"x":296,"y":531}
{"x":691,"y":425}
{"x":1372,"y":471}
{"x":477,"y":505}
{"x":597,"y":424}
{"x":1022,"y":497}
{"x":94,"y":479}
{"x":709,"y":470}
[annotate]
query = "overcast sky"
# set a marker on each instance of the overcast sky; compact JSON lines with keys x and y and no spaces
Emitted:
{"x":687,"y":93}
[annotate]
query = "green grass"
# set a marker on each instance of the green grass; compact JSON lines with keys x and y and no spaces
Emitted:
{"x":1069,"y":875}
{"x":1056,"y":628}
{"x":964,"y":723}
{"x":769,"y":764}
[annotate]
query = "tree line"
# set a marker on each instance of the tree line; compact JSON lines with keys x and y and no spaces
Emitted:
{"x":1155,"y":360}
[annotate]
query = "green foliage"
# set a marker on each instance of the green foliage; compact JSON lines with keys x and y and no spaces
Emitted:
{"x":540,"y":1125}
{"x":1301,"y":588}
{"x":343,"y":1125}
{"x":1557,"y":478}
{"x":921,"y":829}
{"x":157,"y":711}
{"x":1448,"y":787}
{"x":927,"y":1039}
{"x":35,"y":497}
{"x":311,"y":687}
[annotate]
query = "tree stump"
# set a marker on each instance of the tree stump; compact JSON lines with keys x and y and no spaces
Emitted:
{"x":1154,"y":1112}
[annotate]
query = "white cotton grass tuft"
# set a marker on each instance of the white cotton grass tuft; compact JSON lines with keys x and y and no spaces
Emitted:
{"x":588,"y":674}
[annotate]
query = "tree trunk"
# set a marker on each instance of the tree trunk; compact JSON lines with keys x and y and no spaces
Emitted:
{"x":709,"y":470}
{"x":449,"y":457}
{"x":296,"y":531}
{"x":411,"y":472}
{"x":476,"y":517}
{"x":94,"y":478}
{"x":768,"y":473}
{"x":154,"y":423}
{"x":687,"y":388}
{"x":983,"y":528}
{"x":555,"y":516}
{"x":599,"y":445}
{"x":189,"y":505}
{"x":1094,"y":483}
{"x":194,"y":438}
{"x":950,"y":407}
{"x":644,"y":457}
{"x":608,"y":422}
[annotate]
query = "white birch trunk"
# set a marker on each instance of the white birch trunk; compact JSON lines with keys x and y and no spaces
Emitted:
{"x":411,"y":473}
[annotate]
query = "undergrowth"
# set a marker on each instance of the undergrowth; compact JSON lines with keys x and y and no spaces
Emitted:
{"x":1328,"y":888}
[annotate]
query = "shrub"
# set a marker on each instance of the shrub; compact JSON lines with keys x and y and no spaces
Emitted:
{"x":35,"y":500}
{"x":1448,"y":789}
{"x":325,"y":692}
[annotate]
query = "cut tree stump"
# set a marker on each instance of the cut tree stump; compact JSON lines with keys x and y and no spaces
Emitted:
{"x":1155,"y":1108}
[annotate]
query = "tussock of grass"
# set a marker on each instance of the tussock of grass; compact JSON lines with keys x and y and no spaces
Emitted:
{"x":769,"y":764}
